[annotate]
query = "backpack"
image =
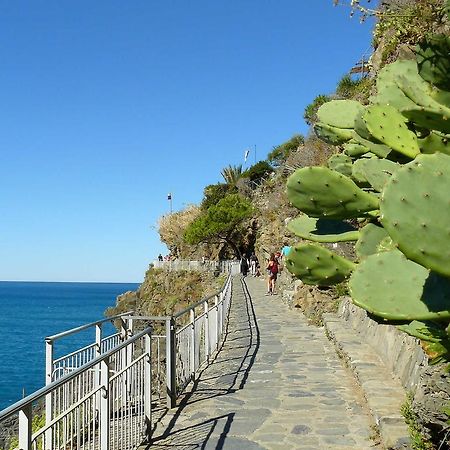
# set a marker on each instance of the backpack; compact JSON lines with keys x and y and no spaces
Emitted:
{"x":274,"y":268}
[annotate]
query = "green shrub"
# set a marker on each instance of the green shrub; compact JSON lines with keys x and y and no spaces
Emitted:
{"x":310,"y":111}
{"x":280,"y":153}
{"x":258,"y":171}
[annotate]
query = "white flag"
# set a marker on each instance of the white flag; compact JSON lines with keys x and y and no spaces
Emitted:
{"x":246,"y":155}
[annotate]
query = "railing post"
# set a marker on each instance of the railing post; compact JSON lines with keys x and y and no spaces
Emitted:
{"x":148,"y":385}
{"x":192,"y":352}
{"x":171,"y":374}
{"x":48,"y":397}
{"x":206,"y":310}
{"x":104,"y":405}
{"x":221,"y":296}
{"x":25,"y":431}
{"x":98,"y":339}
{"x":216,"y":305}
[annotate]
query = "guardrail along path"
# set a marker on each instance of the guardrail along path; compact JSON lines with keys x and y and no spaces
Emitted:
{"x":277,"y":383}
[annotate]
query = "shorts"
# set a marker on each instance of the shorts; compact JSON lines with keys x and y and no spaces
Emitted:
{"x":273,"y":276}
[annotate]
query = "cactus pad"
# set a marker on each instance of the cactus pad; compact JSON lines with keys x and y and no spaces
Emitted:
{"x":354,"y":149}
{"x":314,"y":264}
{"x":340,"y":163}
{"x":370,"y":237}
{"x":340,"y":113}
{"x":322,"y":192}
{"x":433,"y":60}
{"x":387,"y":125}
{"x":380,"y":150}
{"x":322,"y":230}
{"x":415,"y":211}
{"x":434,"y":119}
{"x":332,"y":135}
{"x":395,"y":288}
{"x":375,"y":171}
{"x":435,"y":142}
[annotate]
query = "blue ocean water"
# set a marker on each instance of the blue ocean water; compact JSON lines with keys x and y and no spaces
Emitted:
{"x":30,"y":311}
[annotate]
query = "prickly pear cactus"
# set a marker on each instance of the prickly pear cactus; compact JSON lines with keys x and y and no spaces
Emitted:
{"x":340,"y":113}
{"x":322,"y":192}
{"x":415,"y":211}
{"x":314,"y":264}
{"x":322,"y":230}
{"x":388,"y":126}
{"x":392,"y":287}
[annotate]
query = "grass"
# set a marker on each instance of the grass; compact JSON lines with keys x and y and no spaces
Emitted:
{"x":418,"y":442}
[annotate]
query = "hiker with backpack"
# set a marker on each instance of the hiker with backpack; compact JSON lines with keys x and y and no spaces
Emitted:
{"x":272,"y":272}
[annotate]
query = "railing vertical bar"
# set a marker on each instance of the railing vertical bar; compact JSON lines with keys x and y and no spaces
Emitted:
{"x":206,"y":337}
{"x":25,"y":419}
{"x":192,"y":352}
{"x":104,"y":405}
{"x":171,"y":376}
{"x":48,"y":397}
{"x":147,"y":391}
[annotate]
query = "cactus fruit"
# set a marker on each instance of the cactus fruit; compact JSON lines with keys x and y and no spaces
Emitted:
{"x":322,"y":192}
{"x":370,"y":237}
{"x":340,"y":163}
{"x":314,"y":264}
{"x":387,"y":125}
{"x":433,"y":60}
{"x":322,"y":230}
{"x":415,"y":211}
{"x":340,"y":113}
{"x":395,"y":288}
{"x":332,"y":135}
{"x":435,"y":142}
{"x":375,"y":171}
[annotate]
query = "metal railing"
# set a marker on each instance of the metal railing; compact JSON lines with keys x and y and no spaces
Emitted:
{"x":97,"y":407}
{"x":99,"y":396}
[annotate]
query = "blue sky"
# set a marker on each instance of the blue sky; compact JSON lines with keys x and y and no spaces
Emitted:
{"x":107,"y":106}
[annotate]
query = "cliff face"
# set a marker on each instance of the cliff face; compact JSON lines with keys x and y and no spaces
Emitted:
{"x":164,"y":293}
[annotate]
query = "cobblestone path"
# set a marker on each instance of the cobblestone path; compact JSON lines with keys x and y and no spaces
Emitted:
{"x":277,"y":383}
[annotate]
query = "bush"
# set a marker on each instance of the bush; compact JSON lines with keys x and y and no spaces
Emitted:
{"x":213,"y":193}
{"x":258,"y":171}
{"x":348,"y":88}
{"x":280,"y":153}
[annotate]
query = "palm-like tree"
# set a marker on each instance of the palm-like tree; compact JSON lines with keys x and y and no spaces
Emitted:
{"x":231,"y":174}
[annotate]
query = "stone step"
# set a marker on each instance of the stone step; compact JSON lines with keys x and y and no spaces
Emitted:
{"x":384,"y":393}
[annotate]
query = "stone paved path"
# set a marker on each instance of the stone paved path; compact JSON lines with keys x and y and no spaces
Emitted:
{"x":276,"y":384}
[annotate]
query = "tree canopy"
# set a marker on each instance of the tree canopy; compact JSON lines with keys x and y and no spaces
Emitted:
{"x":220,"y":222}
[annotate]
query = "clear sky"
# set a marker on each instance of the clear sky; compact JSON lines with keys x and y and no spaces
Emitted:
{"x":108,"y":105}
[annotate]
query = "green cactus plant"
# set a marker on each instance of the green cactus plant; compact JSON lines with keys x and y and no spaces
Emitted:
{"x":340,"y":113}
{"x":322,"y":230}
{"x":391,"y":286}
{"x":375,"y":171}
{"x":352,"y":148}
{"x":388,"y":126}
{"x":322,"y":192}
{"x":433,"y":119}
{"x":332,"y":135}
{"x":415,"y":211}
{"x":433,"y":60}
{"x":379,"y":150}
{"x":340,"y":163}
{"x":314,"y":264}
{"x":369,"y":239}
{"x":435,"y":142}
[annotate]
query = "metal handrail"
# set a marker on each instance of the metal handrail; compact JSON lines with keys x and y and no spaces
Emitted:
{"x":65,"y":378}
{"x":83,"y":327}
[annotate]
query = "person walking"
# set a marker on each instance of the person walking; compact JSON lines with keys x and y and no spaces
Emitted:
{"x":244,"y":265}
{"x":253,"y":264}
{"x":272,"y":272}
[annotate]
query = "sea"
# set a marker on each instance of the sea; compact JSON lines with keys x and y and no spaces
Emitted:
{"x":30,"y":311}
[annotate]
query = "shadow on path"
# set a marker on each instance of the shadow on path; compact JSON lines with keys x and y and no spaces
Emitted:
{"x":227,"y":374}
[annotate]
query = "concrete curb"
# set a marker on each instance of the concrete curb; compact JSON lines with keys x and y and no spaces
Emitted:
{"x":384,"y":393}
